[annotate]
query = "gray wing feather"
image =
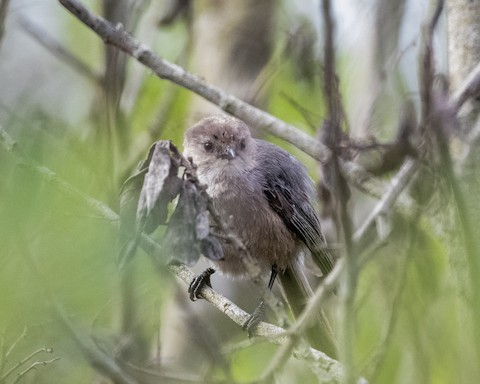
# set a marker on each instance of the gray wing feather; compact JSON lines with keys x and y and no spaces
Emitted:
{"x":288,"y":189}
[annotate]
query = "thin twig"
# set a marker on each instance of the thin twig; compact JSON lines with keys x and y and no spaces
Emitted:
{"x":33,"y":366}
{"x":15,"y":343}
{"x":23,"y":361}
{"x":399,"y":182}
{"x":58,"y":50}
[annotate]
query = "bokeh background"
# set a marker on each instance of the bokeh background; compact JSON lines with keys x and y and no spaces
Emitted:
{"x":89,"y":113}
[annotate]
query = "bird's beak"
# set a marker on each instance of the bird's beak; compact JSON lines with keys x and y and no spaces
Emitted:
{"x":228,"y":153}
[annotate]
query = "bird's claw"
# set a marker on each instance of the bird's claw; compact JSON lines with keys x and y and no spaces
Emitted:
{"x":199,"y":282}
{"x":254,"y":319}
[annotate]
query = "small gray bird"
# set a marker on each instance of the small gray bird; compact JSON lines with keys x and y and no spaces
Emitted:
{"x":265,"y":195}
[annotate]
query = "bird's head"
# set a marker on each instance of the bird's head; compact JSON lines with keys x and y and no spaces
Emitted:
{"x":220,"y":143}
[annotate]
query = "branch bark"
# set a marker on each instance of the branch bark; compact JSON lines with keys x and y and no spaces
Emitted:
{"x":118,"y":37}
{"x":256,"y":118}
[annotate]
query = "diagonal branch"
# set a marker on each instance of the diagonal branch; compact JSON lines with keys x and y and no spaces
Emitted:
{"x":34,"y":366}
{"x":399,"y":182}
{"x":118,"y":37}
{"x":23,"y":361}
{"x":58,"y":50}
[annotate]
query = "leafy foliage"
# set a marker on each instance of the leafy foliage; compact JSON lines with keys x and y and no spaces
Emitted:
{"x":414,"y":315}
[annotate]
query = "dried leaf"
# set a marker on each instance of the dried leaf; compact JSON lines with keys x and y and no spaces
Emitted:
{"x":144,"y":203}
{"x":145,"y":196}
{"x":180,"y":237}
{"x":188,"y":234}
{"x":160,"y":186}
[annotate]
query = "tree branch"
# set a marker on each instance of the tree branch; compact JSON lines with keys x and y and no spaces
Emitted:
{"x":118,"y":37}
{"x":23,"y":361}
{"x":98,"y":359}
{"x":33,"y":366}
{"x":399,"y":182}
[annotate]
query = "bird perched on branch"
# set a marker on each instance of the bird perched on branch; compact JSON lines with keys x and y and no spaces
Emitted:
{"x":265,"y":196}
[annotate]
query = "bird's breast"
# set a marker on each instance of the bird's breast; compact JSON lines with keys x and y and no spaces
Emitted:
{"x":249,"y":216}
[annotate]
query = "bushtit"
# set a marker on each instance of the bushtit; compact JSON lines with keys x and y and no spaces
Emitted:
{"x":262,"y":192}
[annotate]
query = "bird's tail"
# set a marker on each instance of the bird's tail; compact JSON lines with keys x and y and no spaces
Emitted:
{"x":297,"y":291}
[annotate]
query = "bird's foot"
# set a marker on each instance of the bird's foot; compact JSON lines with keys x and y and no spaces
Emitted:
{"x":199,"y":282}
{"x":254,"y":319}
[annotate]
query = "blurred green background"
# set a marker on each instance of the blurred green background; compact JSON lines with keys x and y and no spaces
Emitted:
{"x":413,"y":303}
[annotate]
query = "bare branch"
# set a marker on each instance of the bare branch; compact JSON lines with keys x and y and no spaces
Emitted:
{"x":23,"y":361}
{"x":15,"y":343}
{"x":33,"y":366}
{"x":235,"y":313}
{"x":399,"y":182}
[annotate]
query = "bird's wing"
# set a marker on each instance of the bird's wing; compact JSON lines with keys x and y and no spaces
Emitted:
{"x":285,"y":185}
{"x":300,"y":218}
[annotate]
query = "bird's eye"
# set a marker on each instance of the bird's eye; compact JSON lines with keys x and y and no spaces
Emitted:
{"x":242,"y":144}
{"x":208,"y":146}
